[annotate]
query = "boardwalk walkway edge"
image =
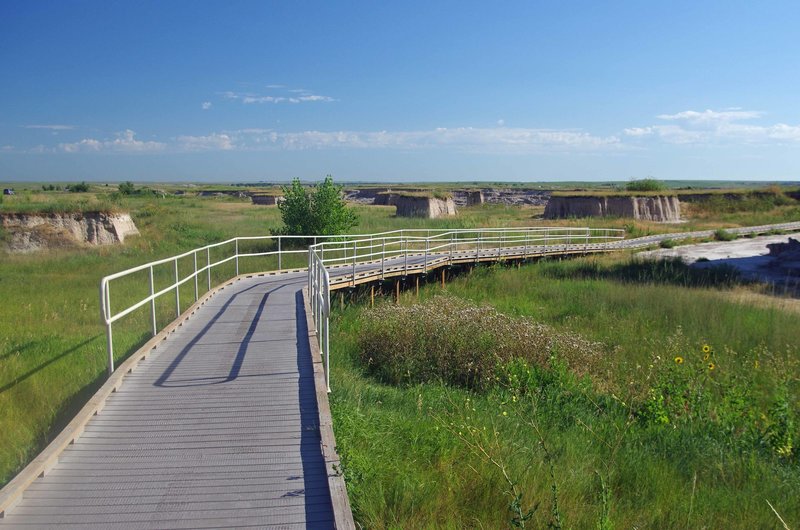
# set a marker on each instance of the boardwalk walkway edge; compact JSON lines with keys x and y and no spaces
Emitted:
{"x":13,"y":492}
{"x":342,"y":513}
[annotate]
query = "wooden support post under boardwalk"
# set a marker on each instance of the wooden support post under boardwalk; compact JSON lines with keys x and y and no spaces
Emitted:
{"x":371,"y":295}
{"x":443,"y":272}
{"x":397,"y":292}
{"x":417,"y":290}
{"x":341,"y":300}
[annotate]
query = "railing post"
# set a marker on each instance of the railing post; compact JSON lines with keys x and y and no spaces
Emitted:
{"x":328,"y":338}
{"x":105,"y":308}
{"x":427,"y":242}
{"x":237,"y":256}
{"x":177,"y":292}
{"x":525,"y":252}
{"x":208,"y":266}
{"x":452,"y":239}
{"x":383,"y":258}
{"x":153,"y":303}
{"x":194,"y":254}
{"x":279,"y":253}
{"x":405,"y":248}
{"x":355,"y":251}
{"x":308,"y":274}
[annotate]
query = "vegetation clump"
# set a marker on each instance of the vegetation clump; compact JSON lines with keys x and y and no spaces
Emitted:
{"x":724,"y":235}
{"x":460,"y":343}
{"x":647,"y":184}
{"x":318,"y":211}
{"x":81,"y":187}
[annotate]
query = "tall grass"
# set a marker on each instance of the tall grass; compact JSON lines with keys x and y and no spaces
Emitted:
{"x":667,"y":442}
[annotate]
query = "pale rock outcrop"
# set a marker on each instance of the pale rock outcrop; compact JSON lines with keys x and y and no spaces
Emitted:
{"x":32,"y":232}
{"x":661,"y":208}
{"x":427,"y":207}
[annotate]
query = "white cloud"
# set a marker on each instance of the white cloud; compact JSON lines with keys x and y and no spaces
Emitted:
{"x":710,"y":116}
{"x":212,"y":142}
{"x":7,"y":148}
{"x":205,"y":105}
{"x":501,"y":139}
{"x":461,"y":139}
{"x":292,"y":95}
{"x":125,"y":141}
{"x":720,"y":127}
{"x":51,"y":127}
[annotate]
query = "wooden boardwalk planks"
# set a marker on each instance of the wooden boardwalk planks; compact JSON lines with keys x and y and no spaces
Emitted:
{"x":219,"y":429}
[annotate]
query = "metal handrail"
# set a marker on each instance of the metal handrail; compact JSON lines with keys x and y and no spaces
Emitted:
{"x":343,"y":251}
{"x":488,"y":242}
{"x":108,"y":317}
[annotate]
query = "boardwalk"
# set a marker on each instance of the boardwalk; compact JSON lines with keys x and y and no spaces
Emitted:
{"x":219,"y":429}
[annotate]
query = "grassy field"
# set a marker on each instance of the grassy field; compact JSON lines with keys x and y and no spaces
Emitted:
{"x":632,"y":425}
{"x":52,"y":345}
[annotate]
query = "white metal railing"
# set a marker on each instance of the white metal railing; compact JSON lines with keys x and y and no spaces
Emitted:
{"x":230,"y":247}
{"x":412,"y":251}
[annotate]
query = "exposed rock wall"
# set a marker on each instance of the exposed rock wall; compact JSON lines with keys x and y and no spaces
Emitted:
{"x":662,"y":208}
{"x":32,"y":232}
{"x":428,"y":207}
{"x":471,"y":197}
{"x":385,"y":198}
{"x":266,"y":200}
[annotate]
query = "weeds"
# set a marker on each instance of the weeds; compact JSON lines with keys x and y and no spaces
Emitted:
{"x":460,"y":343}
{"x":683,"y":391}
{"x":724,"y":235}
{"x":668,"y":243}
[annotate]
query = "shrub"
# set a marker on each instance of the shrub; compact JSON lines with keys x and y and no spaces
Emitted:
{"x":320,"y":211}
{"x":79,"y":188}
{"x":724,"y":235}
{"x":648,"y":184}
{"x":127,"y":188}
{"x":462,"y":344}
{"x":668,"y":243}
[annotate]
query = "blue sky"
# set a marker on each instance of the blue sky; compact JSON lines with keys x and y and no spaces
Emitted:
{"x":400,"y":91}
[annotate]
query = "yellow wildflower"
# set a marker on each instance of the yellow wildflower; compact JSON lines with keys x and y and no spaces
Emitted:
{"x":706,"y":348}
{"x":711,"y":366}
{"x":678,"y":360}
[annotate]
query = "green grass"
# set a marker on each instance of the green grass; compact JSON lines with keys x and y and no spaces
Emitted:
{"x":409,"y":449}
{"x":52,"y":343}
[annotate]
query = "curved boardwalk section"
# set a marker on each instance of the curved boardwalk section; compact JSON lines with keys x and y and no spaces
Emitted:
{"x":218,"y":429}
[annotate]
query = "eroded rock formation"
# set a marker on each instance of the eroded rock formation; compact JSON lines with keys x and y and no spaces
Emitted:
{"x":32,"y":232}
{"x":428,"y":207}
{"x":265,"y":199}
{"x":661,"y":208}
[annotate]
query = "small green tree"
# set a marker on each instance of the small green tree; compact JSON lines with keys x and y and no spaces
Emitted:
{"x":127,"y":188}
{"x":646,"y":184}
{"x":79,"y":188}
{"x":318,"y":211}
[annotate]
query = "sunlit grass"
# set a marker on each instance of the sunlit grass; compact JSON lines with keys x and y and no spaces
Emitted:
{"x":405,"y":450}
